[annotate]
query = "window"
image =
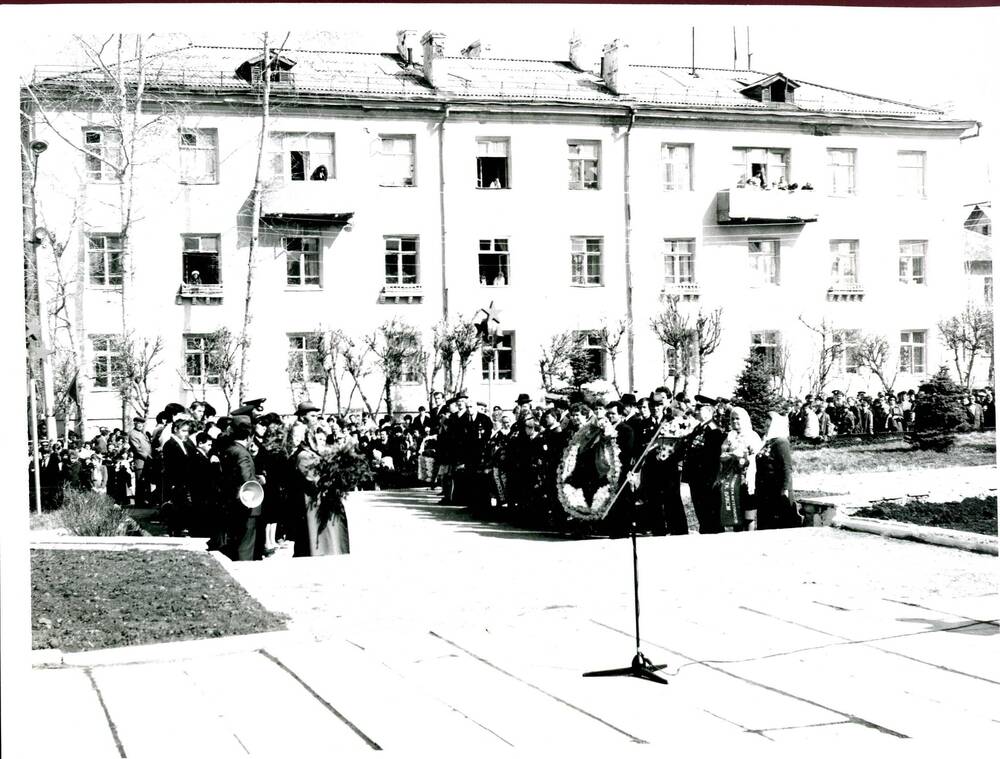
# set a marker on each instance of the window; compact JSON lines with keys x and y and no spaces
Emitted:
{"x":848,"y":342}
{"x":105,"y":252}
{"x":304,"y":358}
{"x":492,"y":164}
{"x":841,"y":162}
{"x":911,"y":167}
{"x":107,"y":362}
{"x":397,"y":161}
{"x":586,"y":261}
{"x":494,"y":263}
{"x":277,"y":75}
{"x":199,"y":151}
{"x":912,"y":351}
{"x":104,"y":153}
{"x":678,"y":262}
{"x":676,"y":161}
{"x":912,"y":256}
{"x":302,"y":156}
{"x":844,"y":263}
{"x":302,"y":260}
{"x":401,"y":262}
{"x":767,"y":344}
{"x":584,"y":165}
{"x":201,"y":260}
{"x":498,"y":364}
{"x":594,"y":364}
{"x":765,"y":262}
{"x":200,"y":362}
{"x":766,"y":166}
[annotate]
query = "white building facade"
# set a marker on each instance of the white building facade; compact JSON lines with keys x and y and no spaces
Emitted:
{"x":432,"y":189}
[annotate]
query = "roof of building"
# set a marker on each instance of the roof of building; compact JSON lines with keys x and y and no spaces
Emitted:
{"x":386,"y":76}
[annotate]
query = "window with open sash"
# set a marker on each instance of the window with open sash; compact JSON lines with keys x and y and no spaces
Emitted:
{"x":492,"y":163}
{"x":494,"y":262}
{"x":201,"y":260}
{"x":912,"y":259}
{"x":302,"y":156}
{"x":762,"y":167}
{"x":584,"y":165}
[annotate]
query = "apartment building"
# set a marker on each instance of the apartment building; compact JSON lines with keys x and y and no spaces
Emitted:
{"x":419,"y":185}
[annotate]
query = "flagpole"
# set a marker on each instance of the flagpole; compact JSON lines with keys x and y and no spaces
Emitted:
{"x":33,"y":410}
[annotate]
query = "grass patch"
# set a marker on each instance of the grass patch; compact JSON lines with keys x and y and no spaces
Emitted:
{"x":83,"y":600}
{"x":970,"y":514}
{"x":975,"y":449}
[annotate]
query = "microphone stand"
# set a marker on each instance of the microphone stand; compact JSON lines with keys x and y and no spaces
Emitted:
{"x":640,"y":667}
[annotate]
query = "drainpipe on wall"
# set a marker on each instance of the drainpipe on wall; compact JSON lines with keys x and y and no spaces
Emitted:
{"x":444,"y":278}
{"x":628,"y":256}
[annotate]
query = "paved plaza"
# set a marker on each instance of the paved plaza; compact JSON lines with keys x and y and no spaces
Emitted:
{"x":442,"y":633}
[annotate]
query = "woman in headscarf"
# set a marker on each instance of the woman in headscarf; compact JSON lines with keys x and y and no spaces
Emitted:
{"x":737,"y":472}
{"x":775,"y":495}
{"x":323,"y":531}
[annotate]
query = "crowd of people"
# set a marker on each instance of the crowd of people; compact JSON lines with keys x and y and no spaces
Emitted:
{"x":819,"y":418}
{"x":561,"y":464}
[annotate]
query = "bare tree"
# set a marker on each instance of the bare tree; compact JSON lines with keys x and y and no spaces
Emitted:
{"x":826,"y":355}
{"x":331,"y":359}
{"x":223,"y":351}
{"x":357,"y":364}
{"x":397,"y":347}
{"x":707,"y":337}
{"x":968,"y":335}
{"x":611,"y":337}
{"x":873,"y":354}
{"x":140,"y":358}
{"x":677,"y":338}
{"x":559,"y":360}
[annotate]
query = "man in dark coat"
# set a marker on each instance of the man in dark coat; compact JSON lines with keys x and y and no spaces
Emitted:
{"x":660,"y":488}
{"x":475,"y":429}
{"x":619,"y":519}
{"x":208,"y":519}
{"x":238,"y":468}
{"x":177,"y":478}
{"x":701,"y":450}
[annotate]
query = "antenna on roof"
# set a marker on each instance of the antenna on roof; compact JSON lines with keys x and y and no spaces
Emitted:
{"x":749,"y":54}
{"x":693,"y":72}
{"x":734,"y":47}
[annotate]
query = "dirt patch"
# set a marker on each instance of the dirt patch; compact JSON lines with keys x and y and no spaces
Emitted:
{"x":83,"y":600}
{"x":971,"y":514}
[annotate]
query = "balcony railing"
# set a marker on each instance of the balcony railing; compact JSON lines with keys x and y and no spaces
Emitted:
{"x":200,"y":293}
{"x":402,"y":293}
{"x":682,"y":290}
{"x":752,"y":205}
{"x":845,"y":291}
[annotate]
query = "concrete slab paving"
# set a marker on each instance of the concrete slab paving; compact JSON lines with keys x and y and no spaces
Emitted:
{"x":65,"y":715}
{"x":441,"y":632}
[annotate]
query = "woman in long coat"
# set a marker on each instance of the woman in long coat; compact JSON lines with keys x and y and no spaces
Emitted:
{"x":775,"y":494}
{"x":737,"y":472}
{"x":323,"y":532}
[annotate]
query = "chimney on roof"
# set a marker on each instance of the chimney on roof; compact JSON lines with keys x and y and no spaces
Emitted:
{"x":615,"y":69}
{"x":406,"y":45}
{"x":435,"y":64}
{"x":476,"y":50}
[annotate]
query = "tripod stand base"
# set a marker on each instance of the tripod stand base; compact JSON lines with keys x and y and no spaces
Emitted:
{"x":641,"y":667}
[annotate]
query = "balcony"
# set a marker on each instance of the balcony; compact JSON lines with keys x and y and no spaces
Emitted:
{"x":845,"y":291}
{"x":200,"y":294}
{"x":402,"y":294}
{"x":307,"y":201}
{"x":753,"y":205}
{"x":682,"y":290}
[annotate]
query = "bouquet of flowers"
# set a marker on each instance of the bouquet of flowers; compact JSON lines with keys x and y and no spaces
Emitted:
{"x":339,"y":469}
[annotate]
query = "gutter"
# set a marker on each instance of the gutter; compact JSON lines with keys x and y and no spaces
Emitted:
{"x":979,"y":127}
{"x":630,"y":332}
{"x":445,"y":110}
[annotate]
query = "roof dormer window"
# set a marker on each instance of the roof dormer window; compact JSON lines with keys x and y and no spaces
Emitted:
{"x":252,"y":71}
{"x":776,"y":88}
